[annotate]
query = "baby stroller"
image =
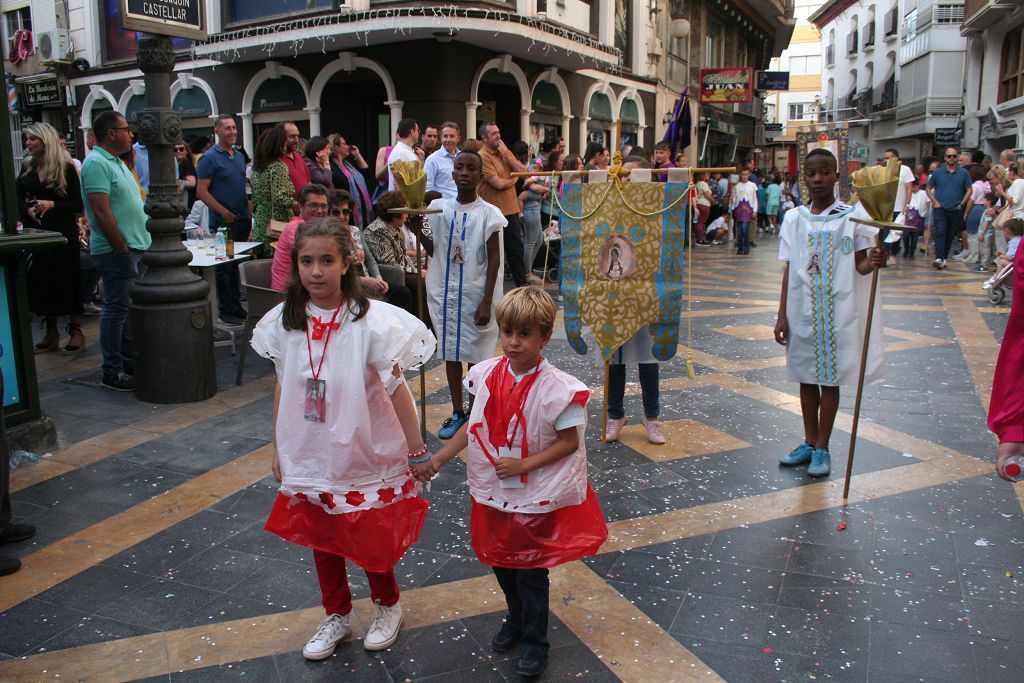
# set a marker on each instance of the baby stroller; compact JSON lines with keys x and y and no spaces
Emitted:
{"x":996,"y":285}
{"x":551,"y":250}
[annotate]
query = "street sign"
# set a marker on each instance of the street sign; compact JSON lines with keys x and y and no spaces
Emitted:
{"x":772,"y":131}
{"x":179,"y":18}
{"x":726,"y":86}
{"x":947,"y":137}
{"x":773,"y":80}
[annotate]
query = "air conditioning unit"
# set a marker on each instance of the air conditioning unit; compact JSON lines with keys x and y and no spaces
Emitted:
{"x":55,"y":47}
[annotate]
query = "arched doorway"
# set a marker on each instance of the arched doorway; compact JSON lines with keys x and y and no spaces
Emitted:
{"x":97,"y":101}
{"x":500,"y":93}
{"x":274,"y":94}
{"x":599,"y":128}
{"x":355,"y":96}
{"x":195,"y":101}
{"x":550,"y":104}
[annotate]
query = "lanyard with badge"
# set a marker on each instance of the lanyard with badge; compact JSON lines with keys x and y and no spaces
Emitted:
{"x":315,"y":408}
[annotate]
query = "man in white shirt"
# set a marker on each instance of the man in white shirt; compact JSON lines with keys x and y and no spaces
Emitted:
{"x":441,"y":164}
{"x":408,"y":135}
{"x":904,"y":192}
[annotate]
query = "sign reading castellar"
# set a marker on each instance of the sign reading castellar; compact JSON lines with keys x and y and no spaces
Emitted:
{"x":177,"y":18}
{"x":727,"y":85}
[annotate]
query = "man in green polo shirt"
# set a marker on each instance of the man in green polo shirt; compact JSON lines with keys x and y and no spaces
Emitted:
{"x":113,"y":205}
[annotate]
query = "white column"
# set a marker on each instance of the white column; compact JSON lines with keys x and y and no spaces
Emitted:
{"x":396,"y":116}
{"x":606,"y":22}
{"x":314,"y":120}
{"x":471,"y":124}
{"x":584,"y":124}
{"x":565,"y":129}
{"x":640,"y":136}
{"x":247,"y":135}
{"x":524,"y":123}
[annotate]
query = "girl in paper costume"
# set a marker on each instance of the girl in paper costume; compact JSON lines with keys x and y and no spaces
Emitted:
{"x":527,"y":468}
{"x":344,"y":424}
{"x":823,"y":305}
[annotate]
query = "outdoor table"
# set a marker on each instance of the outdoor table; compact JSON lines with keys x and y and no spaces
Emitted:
{"x":207,"y":262}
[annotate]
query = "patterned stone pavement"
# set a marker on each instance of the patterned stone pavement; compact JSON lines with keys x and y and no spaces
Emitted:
{"x":150,"y":561}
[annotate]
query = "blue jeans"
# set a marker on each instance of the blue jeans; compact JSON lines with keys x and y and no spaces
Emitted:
{"x":948,"y":224}
{"x":526,"y":592}
{"x":974,"y":218}
{"x":118,"y":271}
{"x":649,"y":390}
{"x":742,"y":234}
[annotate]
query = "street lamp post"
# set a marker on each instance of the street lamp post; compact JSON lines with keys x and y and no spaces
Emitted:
{"x":171,"y":319}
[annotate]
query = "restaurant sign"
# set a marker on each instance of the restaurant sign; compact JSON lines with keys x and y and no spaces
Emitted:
{"x":726,"y":86}
{"x":178,"y":18}
{"x":43,"y":92}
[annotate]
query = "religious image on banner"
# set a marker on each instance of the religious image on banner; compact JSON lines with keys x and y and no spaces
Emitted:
{"x":834,"y":141}
{"x":622,"y":263}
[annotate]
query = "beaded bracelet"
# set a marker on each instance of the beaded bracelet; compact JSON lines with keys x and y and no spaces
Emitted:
{"x":420,"y":456}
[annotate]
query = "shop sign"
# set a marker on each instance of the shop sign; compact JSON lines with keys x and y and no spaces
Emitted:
{"x":947,"y":137}
{"x":546,"y":99}
{"x":772,"y":131}
{"x":44,"y":93}
{"x":773,"y":80}
{"x":179,"y":18}
{"x":279,"y":94}
{"x":726,"y":86}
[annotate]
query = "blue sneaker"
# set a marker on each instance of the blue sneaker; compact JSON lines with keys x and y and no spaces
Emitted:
{"x":801,"y":455}
{"x":821,"y":463}
{"x":452,"y":425}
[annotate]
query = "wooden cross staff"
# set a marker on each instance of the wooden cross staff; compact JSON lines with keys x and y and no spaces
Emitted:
{"x":625,"y":172}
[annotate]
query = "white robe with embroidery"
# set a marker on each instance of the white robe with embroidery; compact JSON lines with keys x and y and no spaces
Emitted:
{"x":455,"y":285}
{"x":827,"y":300}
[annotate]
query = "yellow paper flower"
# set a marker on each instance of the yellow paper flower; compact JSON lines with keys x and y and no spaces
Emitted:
{"x":411,"y":181}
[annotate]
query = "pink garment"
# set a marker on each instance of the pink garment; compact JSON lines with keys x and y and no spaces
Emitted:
{"x":979,"y":188}
{"x":281,"y":268}
{"x":1006,"y":407}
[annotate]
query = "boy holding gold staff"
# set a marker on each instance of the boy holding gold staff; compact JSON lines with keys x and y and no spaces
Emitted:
{"x":824,"y":302}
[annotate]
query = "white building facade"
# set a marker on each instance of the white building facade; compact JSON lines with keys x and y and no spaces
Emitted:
{"x":894,"y":73}
{"x":994,"y":92}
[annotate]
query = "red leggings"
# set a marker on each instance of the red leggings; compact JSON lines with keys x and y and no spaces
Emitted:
{"x":337,"y":596}
{"x":702,"y":219}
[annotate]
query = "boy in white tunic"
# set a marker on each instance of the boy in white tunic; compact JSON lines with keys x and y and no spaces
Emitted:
{"x":465,"y":242}
{"x":823,"y":306}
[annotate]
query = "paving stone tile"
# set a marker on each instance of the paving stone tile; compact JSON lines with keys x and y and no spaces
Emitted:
{"x":91,"y":629}
{"x":994,"y":619}
{"x":660,"y":606}
{"x":433,"y":650}
{"x":848,"y":565}
{"x":161,"y":605}
{"x":350,"y":662}
{"x":998,"y":661}
{"x":723,"y":619}
{"x":280,"y":585}
{"x":31,"y":623}
{"x":822,"y":594}
{"x":932,"y":610}
{"x":818,"y":634}
{"x":219,"y":569}
{"x":95,"y":588}
{"x":784,"y":667}
{"x":735,"y":581}
{"x":918,"y":651}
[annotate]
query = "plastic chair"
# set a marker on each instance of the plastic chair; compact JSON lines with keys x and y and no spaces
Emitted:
{"x":255,"y":277}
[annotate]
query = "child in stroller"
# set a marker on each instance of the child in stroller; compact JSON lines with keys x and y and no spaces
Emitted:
{"x":995,"y":285}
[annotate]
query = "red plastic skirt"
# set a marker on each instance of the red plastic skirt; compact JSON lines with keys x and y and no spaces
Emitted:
{"x":521,"y":541}
{"x":374,"y":539}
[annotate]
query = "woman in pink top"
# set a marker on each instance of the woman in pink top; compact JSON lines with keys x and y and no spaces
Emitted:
{"x":973,"y":212}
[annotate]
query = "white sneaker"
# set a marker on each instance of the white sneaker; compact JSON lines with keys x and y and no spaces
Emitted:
{"x":383,"y":631}
{"x":942,"y":263}
{"x":330,"y":632}
{"x":962,"y":256}
{"x":937,"y":264}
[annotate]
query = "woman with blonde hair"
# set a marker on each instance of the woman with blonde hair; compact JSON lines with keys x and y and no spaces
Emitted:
{"x":50,"y":198}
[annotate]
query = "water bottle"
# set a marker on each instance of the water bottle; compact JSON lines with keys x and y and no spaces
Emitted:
{"x":220,"y":245}
{"x":1013,"y":468}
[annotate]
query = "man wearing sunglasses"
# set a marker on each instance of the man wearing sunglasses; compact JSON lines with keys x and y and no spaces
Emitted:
{"x":949,"y":188}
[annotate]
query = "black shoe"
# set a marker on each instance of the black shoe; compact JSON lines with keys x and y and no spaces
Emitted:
{"x":752,"y":244}
{"x":229,"y":318}
{"x":9,"y":565}
{"x":241,"y":313}
{"x":16,"y":533}
{"x":531,"y":665}
{"x":119,"y":382}
{"x":506,"y":639}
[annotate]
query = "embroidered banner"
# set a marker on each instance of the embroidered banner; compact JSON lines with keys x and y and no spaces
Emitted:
{"x":622,"y":269}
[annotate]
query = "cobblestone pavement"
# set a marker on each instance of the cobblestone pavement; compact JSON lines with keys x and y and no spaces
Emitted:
{"x":150,"y":561}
